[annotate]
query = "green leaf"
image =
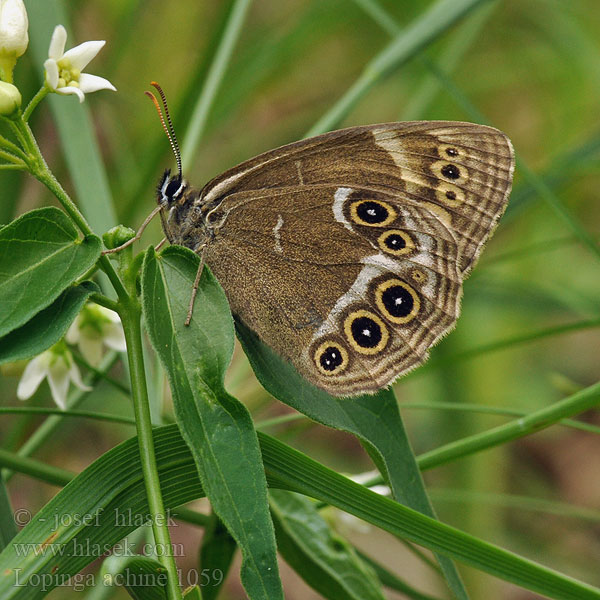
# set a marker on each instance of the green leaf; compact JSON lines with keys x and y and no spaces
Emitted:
{"x":106,"y":501}
{"x":40,"y":256}
{"x":392,"y":581}
{"x":216,"y":554}
{"x":144,"y":578}
{"x":217,"y":428}
{"x":8,"y":527}
{"x":327,"y":562}
{"x":194,"y":593}
{"x":48,"y":326}
{"x":374,"y":419}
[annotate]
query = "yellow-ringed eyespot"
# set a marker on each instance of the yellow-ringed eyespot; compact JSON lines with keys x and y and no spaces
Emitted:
{"x":373,"y":213}
{"x":449,"y":151}
{"x":366,"y":332}
{"x":449,"y":194}
{"x":331,"y":358}
{"x":418,"y":276}
{"x":396,"y":242}
{"x":450,"y":172}
{"x":397,"y":300}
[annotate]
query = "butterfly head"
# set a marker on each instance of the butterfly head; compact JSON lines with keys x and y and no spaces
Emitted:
{"x":171,"y":189}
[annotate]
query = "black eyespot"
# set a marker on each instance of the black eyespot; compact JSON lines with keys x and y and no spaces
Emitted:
{"x":366,"y":332}
{"x":331,"y":358}
{"x":451,"y":171}
{"x":372,"y":212}
{"x":451,"y":195}
{"x":451,"y":151}
{"x":394,"y":241}
{"x":398,"y":301}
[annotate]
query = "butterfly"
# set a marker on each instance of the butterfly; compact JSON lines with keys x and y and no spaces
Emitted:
{"x":346,"y":252}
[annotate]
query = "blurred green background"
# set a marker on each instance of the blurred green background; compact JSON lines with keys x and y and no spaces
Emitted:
{"x":532,"y":69}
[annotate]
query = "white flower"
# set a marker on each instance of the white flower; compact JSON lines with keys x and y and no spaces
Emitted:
{"x":94,"y":327}
{"x":64,"y":69}
{"x":13,"y":35}
{"x":57,"y":365}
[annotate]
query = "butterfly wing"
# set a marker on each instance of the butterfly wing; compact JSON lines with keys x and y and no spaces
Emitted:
{"x":461,"y":171}
{"x":351,"y":285}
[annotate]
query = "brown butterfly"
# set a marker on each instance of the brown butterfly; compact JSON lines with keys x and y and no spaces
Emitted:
{"x":346,"y":252}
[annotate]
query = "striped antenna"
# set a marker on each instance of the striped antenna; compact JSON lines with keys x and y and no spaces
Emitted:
{"x":170,"y":131}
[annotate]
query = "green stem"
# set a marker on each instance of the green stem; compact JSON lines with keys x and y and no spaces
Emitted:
{"x":40,"y":170}
{"x":12,"y":148}
{"x":86,"y":414}
{"x":35,"y":468}
{"x":42,"y":93}
{"x":12,"y":159}
{"x":103,"y":300}
{"x":586,"y":399}
{"x":131,"y":319}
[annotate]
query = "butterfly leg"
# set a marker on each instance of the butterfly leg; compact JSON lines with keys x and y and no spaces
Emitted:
{"x":160,"y":244}
{"x":195,"y":290}
{"x":138,"y":235}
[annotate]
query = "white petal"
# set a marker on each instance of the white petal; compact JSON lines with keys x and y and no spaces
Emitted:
{"x":113,"y":337}
{"x":58,"y":378}
{"x":91,"y":348}
{"x":13,"y":27}
{"x":34,"y":373}
{"x":92,"y":83}
{"x":73,"y":333}
{"x":51,"y":73}
{"x":57,"y":43}
{"x":76,"y":379}
{"x":81,"y":55}
{"x":71,"y":90}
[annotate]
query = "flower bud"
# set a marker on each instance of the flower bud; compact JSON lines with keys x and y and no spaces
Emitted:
{"x":13,"y":35}
{"x":117,"y":236}
{"x":10,"y":99}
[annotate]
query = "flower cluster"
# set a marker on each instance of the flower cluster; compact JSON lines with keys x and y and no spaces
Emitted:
{"x":94,"y":328}
{"x":64,"y":70}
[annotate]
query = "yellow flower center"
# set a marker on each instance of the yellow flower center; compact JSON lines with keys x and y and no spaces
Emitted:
{"x":67,"y":75}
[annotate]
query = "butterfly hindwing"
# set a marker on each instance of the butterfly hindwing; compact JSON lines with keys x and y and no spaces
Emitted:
{"x":315,"y":277}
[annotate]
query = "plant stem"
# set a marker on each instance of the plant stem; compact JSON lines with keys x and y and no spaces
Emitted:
{"x":40,"y":170}
{"x":131,"y":319}
{"x":41,"y":94}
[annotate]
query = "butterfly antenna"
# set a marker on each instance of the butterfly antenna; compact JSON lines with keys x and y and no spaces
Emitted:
{"x":171,"y":136}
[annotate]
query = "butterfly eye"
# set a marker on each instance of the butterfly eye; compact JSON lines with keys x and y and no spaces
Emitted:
{"x":174,"y":189}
